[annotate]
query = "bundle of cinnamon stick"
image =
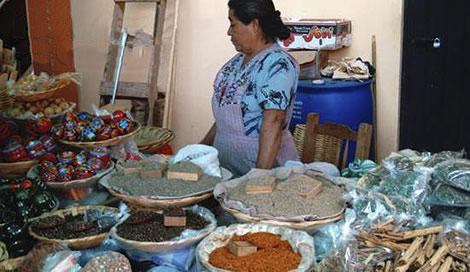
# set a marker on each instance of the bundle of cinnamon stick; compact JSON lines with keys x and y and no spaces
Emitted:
{"x":414,"y":250}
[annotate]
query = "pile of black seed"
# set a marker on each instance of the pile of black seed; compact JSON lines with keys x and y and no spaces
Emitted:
{"x":152,"y":229}
{"x":173,"y":211}
{"x":54,"y":227}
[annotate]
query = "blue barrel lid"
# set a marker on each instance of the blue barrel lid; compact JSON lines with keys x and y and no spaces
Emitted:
{"x":331,"y":83}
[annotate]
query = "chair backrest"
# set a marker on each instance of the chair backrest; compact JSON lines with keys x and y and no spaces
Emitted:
{"x":323,"y":142}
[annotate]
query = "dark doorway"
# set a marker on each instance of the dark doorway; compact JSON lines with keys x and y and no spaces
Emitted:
{"x":435,"y":104}
{"x":14,"y":32}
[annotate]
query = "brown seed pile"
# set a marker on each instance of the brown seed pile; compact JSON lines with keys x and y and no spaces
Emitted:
{"x":153,"y":230}
{"x":273,"y":255}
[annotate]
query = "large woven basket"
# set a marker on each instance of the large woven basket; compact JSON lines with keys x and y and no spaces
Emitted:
{"x":54,"y":91}
{"x":55,"y":117}
{"x":159,"y":204}
{"x":151,"y":139}
{"x":16,"y":169}
{"x":166,"y":246}
{"x":307,"y":226}
{"x":79,"y":243}
{"x":12,"y":264}
{"x":5,"y":100}
{"x":110,"y":142}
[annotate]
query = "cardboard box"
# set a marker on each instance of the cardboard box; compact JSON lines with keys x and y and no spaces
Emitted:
{"x":313,"y":34}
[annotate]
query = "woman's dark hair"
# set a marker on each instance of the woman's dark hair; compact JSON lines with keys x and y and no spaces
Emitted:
{"x":269,"y":18}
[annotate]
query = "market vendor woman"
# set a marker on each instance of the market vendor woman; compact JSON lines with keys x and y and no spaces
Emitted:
{"x":254,"y":92}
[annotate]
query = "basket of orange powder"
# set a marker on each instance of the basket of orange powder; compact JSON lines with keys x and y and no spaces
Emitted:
{"x":275,"y":249}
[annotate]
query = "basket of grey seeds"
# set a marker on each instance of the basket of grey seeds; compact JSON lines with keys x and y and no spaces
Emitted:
{"x":154,"y":184}
{"x":293,"y":199}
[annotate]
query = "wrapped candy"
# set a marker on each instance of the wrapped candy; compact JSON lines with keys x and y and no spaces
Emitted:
{"x":88,"y":134}
{"x":70,"y":116}
{"x":48,"y":172}
{"x":104,"y":134}
{"x":35,"y":149}
{"x":97,"y":124}
{"x":124,"y":126}
{"x":100,"y":152}
{"x":80,"y":159}
{"x":118,"y":115}
{"x":65,"y":172}
{"x":115,"y":133}
{"x":15,"y":152}
{"x":97,"y":164}
{"x":58,"y":131}
{"x":70,"y":135}
{"x":70,"y":125}
{"x":83,"y":171}
{"x":66,"y":157}
{"x":84,"y":116}
{"x":48,"y":157}
{"x":48,"y":142}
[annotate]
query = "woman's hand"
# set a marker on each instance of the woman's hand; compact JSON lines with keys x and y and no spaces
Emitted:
{"x":270,"y":138}
{"x":210,"y":136}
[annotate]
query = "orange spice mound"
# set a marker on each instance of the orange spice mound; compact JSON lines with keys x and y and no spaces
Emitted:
{"x":273,"y":255}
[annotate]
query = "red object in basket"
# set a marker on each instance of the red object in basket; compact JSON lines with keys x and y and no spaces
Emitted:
{"x":165,"y":150}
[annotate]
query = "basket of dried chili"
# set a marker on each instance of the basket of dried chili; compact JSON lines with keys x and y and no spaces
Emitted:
{"x":278,"y":249}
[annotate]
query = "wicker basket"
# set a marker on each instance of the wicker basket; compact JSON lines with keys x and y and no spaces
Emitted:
{"x":151,"y":139}
{"x":58,"y":86}
{"x":12,"y":264}
{"x":110,"y":142}
{"x":55,"y":117}
{"x":299,"y":133}
{"x":5,"y":100}
{"x":308,"y":226}
{"x":166,"y":246}
{"x":325,"y":148}
{"x":140,"y":203}
{"x":16,"y":169}
{"x":78,"y":243}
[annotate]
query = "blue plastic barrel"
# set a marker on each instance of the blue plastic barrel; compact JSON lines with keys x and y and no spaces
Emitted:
{"x":343,"y":102}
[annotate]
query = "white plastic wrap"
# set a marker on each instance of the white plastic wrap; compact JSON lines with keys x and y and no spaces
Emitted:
{"x":300,"y":241}
{"x":203,"y":155}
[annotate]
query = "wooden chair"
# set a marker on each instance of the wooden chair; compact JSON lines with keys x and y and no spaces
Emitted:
{"x":323,"y":142}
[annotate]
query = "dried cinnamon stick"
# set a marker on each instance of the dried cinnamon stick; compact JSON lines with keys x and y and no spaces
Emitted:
{"x":435,"y":259}
{"x":446,"y":265}
{"x":429,"y":246}
{"x":414,"y":247}
{"x":415,"y":233}
{"x":388,"y":266}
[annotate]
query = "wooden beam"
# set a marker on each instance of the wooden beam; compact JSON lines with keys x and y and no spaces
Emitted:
{"x":155,"y":61}
{"x":116,"y":27}
{"x":166,"y":75}
{"x":128,"y":89}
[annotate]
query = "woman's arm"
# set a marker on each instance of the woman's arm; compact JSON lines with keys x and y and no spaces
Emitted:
{"x":210,"y":136}
{"x":270,"y":138}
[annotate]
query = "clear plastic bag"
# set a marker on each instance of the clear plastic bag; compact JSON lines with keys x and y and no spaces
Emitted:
{"x":453,"y":172}
{"x":435,"y":159}
{"x":61,"y":261}
{"x":446,"y":195}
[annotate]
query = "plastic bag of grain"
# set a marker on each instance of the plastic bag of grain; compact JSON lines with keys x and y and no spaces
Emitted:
{"x":207,"y":157}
